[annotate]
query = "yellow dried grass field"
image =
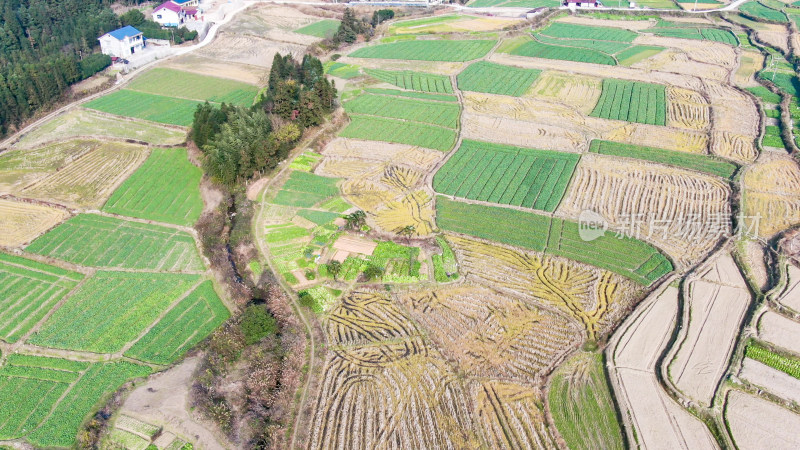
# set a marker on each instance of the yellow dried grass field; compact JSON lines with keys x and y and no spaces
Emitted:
{"x":21,"y":222}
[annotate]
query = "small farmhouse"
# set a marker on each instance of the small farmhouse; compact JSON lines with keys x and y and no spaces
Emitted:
{"x":122,"y":43}
{"x":168,"y":14}
{"x":582,"y":3}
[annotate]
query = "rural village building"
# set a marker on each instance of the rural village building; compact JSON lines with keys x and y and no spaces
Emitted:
{"x":122,"y":43}
{"x":168,"y":14}
{"x":582,"y":3}
{"x":173,"y":12}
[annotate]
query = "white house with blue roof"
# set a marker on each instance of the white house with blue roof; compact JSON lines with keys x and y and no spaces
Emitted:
{"x":122,"y":43}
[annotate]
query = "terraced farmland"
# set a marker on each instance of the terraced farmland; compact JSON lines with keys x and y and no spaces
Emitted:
{"x":685,"y":160}
{"x":628,"y":257}
{"x":28,"y":290}
{"x":415,"y":81}
{"x":141,"y":105}
{"x":536,"y":49}
{"x":323,"y":29}
{"x":633,"y":102}
{"x":597,"y":33}
{"x":305,"y":190}
{"x":187,"y":85}
{"x":493,"y":78}
{"x":166,"y":188}
{"x":111,"y":309}
{"x":455,"y":51}
{"x":434,"y":113}
{"x":100,"y":241}
{"x":507,"y":175}
{"x":397,"y":131}
{"x":581,"y":404}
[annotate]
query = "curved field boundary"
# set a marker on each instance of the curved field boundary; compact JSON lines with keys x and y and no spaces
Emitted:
{"x":497,"y":173}
{"x":598,"y":33}
{"x":325,"y":28}
{"x":691,"y":161}
{"x":580,"y":401}
{"x":536,"y":49}
{"x":453,"y":51}
{"x":631,"y":258}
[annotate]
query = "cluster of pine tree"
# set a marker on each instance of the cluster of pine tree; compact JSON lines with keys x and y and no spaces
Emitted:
{"x":351,"y":27}
{"x":240,"y":143}
{"x":46,"y":45}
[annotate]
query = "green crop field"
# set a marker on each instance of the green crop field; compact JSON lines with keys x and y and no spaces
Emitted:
{"x":607,"y":47}
{"x":435,"y":113}
{"x":30,"y":387}
{"x":306,"y":161}
{"x":757,"y":10}
{"x":772,"y":137}
{"x":341,"y":70}
{"x":494,"y":78}
{"x":325,"y":28}
{"x":414,"y":81}
{"x":61,"y":427}
{"x":765,"y":94}
{"x":318,"y":217}
{"x":417,"y":95}
{"x":581,"y":404}
{"x":789,"y":366}
{"x":156,"y":108}
{"x":305,"y":190}
{"x":691,"y":161}
{"x":400,"y":132}
{"x":678,"y":30}
{"x":28,"y":291}
{"x":632,"y":55}
{"x":628,"y":257}
{"x":111,"y":309}
{"x":189,"y":322}
{"x":108,"y":242}
{"x":455,"y":51}
{"x":31,"y":391}
{"x":535,"y":49}
{"x":572,"y":31}
{"x":180,"y":84}
{"x":507,"y":175}
{"x":786,"y":81}
{"x":445,"y":266}
{"x":166,"y":188}
{"x":632,"y":101}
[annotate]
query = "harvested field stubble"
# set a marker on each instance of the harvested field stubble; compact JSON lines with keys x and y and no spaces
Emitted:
{"x":716,"y":304}
{"x":21,"y":222}
{"x":678,"y":210}
{"x":76,"y":173}
{"x":511,"y":416}
{"x":656,"y":420}
{"x":776,"y":428}
{"x":577,"y":91}
{"x":771,"y":196}
{"x":383,"y":383}
{"x":493,"y":335}
{"x":384,"y":180}
{"x":594,"y":298}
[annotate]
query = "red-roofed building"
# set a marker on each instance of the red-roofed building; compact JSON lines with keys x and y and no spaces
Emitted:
{"x":168,"y":14}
